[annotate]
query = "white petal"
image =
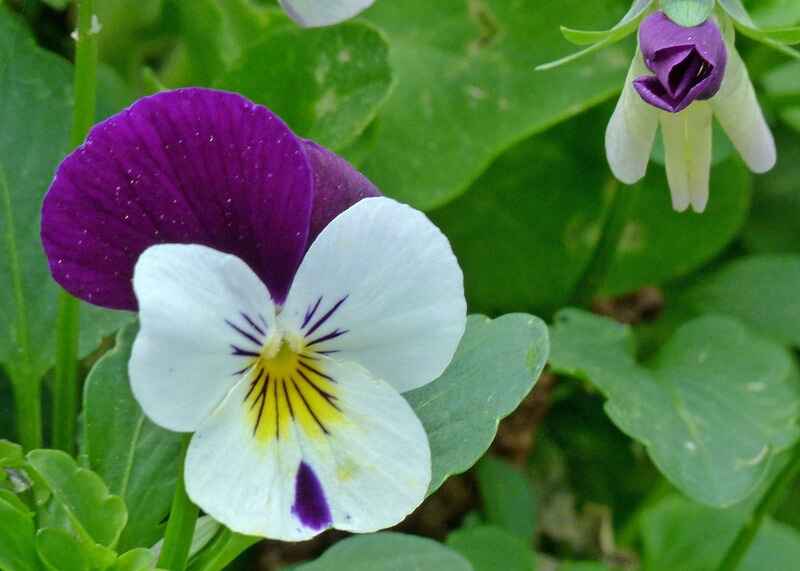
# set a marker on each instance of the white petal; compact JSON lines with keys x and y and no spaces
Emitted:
{"x":739,"y":113}
{"x":687,"y":151}
{"x":196,"y":306}
{"x":381,"y":287}
{"x":313,"y":13}
{"x":290,"y":479}
{"x":631,"y":130}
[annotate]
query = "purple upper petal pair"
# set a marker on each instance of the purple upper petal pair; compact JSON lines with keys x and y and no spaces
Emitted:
{"x":689,"y":63}
{"x":190,"y":166}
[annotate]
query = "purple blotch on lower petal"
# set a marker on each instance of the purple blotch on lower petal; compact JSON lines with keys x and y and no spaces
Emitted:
{"x":688,"y":63}
{"x":310,"y":505}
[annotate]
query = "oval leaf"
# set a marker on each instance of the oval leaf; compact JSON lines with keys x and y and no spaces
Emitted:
{"x":388,"y":552}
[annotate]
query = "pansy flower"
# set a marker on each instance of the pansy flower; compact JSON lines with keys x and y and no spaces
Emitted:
{"x":284,"y":307}
{"x":680,"y":78}
{"x":315,"y":13}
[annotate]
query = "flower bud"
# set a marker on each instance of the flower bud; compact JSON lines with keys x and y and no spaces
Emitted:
{"x":688,"y":63}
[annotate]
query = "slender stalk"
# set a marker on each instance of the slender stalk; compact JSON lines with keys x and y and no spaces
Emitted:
{"x":605,"y":253}
{"x":26,"y":385}
{"x":769,"y":503}
{"x":65,"y":383}
{"x":182,"y":521}
{"x":226,"y":547}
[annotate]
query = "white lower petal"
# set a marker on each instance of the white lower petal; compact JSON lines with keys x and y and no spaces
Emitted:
{"x":196,"y":305}
{"x":360,"y":466}
{"x":631,"y":130}
{"x":739,"y":113}
{"x":381,"y":287}
{"x":313,"y":13}
{"x":687,"y":152}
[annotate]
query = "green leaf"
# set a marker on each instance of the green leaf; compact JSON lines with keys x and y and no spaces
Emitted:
{"x":490,"y":549}
{"x":688,"y":13}
{"x":671,"y":530}
{"x":528,"y":228}
{"x":205,"y":530}
{"x":35,"y":114}
{"x":11,"y":455}
{"x":713,"y":408}
{"x":327,"y":84}
{"x":82,"y":501}
{"x":759,"y":290}
{"x":495,"y":366}
{"x":17,"y":548}
{"x":57,"y":4}
{"x":137,"y":459}
{"x":60,"y":551}
{"x":582,"y":566}
{"x":659,"y":244}
{"x":388,"y":551}
{"x":466,"y":92}
{"x":772,"y":225}
{"x":507,"y":495}
{"x":140,"y":559}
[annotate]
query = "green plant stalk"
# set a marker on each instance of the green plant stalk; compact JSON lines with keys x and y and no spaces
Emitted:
{"x":27,"y":387}
{"x":65,"y":382}
{"x":605,"y":252}
{"x":182,"y":521}
{"x":225,"y":547}
{"x":772,"y":499}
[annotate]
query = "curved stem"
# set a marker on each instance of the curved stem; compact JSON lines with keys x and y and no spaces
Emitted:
{"x":65,"y":383}
{"x":605,"y":252}
{"x":226,"y":547}
{"x":182,"y":521}
{"x":768,"y":504}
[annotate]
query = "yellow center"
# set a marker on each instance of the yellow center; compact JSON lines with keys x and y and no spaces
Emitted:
{"x":288,"y":385}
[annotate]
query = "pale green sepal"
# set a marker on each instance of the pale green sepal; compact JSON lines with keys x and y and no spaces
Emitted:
{"x":688,"y":13}
{"x":776,"y":38}
{"x":597,"y":40}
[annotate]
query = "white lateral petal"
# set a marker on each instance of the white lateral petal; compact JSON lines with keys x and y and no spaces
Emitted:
{"x":314,"y":13}
{"x":631,"y":130}
{"x":381,"y":287}
{"x":739,"y":113}
{"x":367,"y":470}
{"x":196,"y":307}
{"x":687,"y":151}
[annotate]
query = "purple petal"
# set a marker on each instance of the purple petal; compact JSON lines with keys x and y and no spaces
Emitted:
{"x":689,"y":63}
{"x":337,"y":186}
{"x":187,"y":166}
{"x":310,"y":505}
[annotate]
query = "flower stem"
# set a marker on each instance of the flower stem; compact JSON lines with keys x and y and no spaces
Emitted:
{"x":605,"y":252}
{"x":226,"y":547}
{"x":768,"y":504}
{"x":65,"y":384}
{"x":26,"y":385}
{"x":182,"y":521}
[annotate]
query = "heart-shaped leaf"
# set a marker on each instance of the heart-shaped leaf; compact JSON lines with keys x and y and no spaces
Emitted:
{"x":490,"y":548}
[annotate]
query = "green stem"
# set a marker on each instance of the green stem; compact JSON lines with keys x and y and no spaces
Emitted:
{"x":182,"y":521}
{"x":65,"y":384}
{"x":605,"y":252}
{"x":226,"y":547}
{"x":27,"y":387}
{"x":771,"y":500}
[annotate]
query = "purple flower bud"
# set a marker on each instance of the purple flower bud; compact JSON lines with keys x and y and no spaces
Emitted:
{"x":689,"y":63}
